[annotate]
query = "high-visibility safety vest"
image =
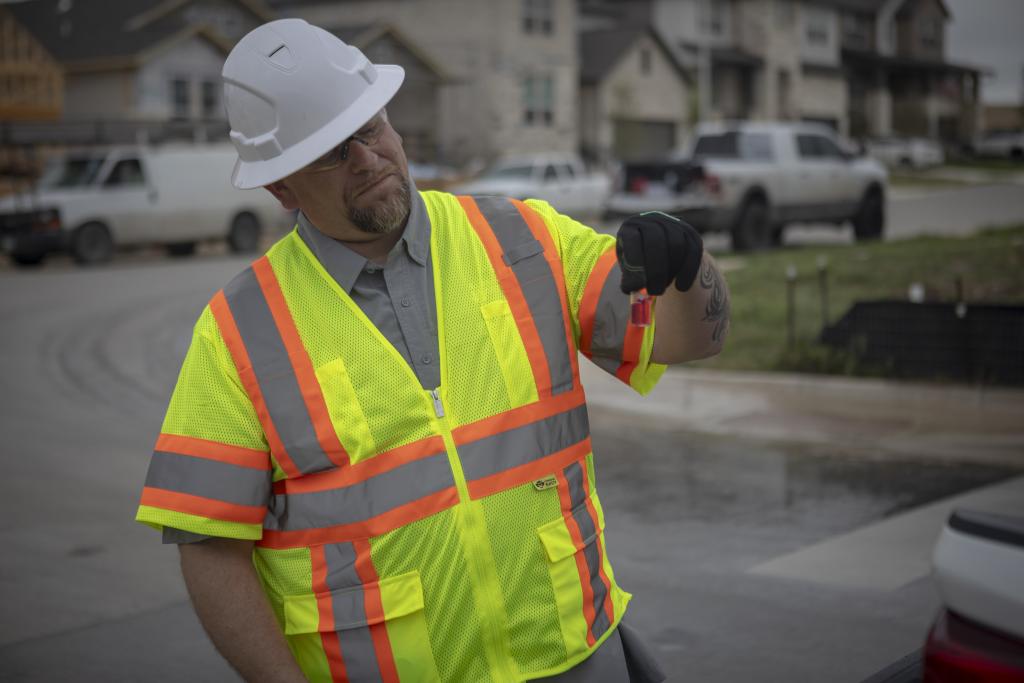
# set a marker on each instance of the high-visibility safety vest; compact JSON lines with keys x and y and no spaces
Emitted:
{"x":401,"y":534}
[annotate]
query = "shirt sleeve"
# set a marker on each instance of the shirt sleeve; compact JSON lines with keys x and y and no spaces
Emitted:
{"x":211,"y":470}
{"x":599,"y":309}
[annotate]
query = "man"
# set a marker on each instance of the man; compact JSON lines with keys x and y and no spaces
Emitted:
{"x":376,"y":460}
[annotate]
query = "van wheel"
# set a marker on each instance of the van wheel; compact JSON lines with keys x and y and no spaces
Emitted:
{"x":92,"y":244}
{"x":869,"y":223}
{"x":753,"y":230}
{"x":28,"y":258}
{"x":180,"y":249}
{"x":244,"y":235}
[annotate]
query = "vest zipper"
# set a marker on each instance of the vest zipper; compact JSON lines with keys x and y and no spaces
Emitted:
{"x":485,"y":576}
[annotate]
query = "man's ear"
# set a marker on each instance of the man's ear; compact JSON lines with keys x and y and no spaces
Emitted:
{"x":283,"y":194}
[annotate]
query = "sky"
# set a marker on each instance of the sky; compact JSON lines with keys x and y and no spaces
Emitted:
{"x":990,"y":34}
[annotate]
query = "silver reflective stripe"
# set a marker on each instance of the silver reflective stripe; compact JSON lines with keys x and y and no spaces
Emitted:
{"x":537,"y":283}
{"x":522,"y":445}
{"x":611,"y":319}
{"x":362,"y":501}
{"x":574,"y":474}
{"x":348,"y":604}
{"x":208,"y":478}
{"x":275,"y":373}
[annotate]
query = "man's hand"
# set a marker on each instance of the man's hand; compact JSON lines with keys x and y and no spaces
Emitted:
{"x":654,"y":249}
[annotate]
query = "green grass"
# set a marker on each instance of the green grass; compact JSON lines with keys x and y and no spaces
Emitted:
{"x":997,"y":166}
{"x":990,"y":264}
{"x":917,"y":179}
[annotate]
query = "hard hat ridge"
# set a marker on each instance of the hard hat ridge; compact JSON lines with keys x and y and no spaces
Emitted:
{"x":292,"y":92}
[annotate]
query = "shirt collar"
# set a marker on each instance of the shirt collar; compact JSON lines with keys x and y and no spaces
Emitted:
{"x":344,"y":265}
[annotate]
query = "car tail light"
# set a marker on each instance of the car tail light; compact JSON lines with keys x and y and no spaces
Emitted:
{"x":961,"y":651}
{"x":712,"y":184}
{"x":46,"y":221}
{"x":638,"y":185}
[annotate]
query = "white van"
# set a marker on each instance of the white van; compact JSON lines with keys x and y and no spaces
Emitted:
{"x":90,"y":203}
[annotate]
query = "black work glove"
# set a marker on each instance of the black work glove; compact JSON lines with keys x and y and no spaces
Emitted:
{"x":654,"y":248}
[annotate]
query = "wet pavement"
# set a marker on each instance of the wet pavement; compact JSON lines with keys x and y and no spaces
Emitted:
{"x":87,"y":360}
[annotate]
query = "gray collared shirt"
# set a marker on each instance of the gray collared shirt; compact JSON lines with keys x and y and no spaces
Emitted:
{"x":398,"y":296}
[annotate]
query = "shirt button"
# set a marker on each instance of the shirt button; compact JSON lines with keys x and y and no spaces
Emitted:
{"x":425,"y":359}
{"x":405,"y":303}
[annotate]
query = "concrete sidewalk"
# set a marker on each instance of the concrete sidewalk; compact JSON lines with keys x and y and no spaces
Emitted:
{"x":867,"y":416}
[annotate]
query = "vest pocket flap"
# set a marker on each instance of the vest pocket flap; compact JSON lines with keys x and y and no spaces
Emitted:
{"x":399,"y":595}
{"x":521,"y":251}
{"x":558,"y":542}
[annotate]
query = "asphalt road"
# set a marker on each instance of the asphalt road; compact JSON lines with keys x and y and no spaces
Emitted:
{"x":87,"y":361}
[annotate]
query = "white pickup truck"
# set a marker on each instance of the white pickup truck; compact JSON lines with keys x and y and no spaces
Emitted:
{"x":91,"y":202}
{"x":752,"y":179}
{"x":559,"y":179}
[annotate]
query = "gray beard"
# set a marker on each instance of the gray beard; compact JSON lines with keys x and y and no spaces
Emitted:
{"x":386,"y":216}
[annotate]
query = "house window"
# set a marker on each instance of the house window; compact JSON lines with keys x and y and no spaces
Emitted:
{"x":538,"y":101}
{"x":181,"y":102}
{"x":931,"y":33}
{"x":784,"y":13}
{"x":645,"y":61}
{"x":816,"y":30}
{"x":716,"y":22}
{"x":211,"y":101}
{"x":538,"y":16}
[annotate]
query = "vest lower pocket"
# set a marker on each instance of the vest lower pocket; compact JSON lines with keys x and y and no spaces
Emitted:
{"x":583,"y":591}
{"x":371,"y":641}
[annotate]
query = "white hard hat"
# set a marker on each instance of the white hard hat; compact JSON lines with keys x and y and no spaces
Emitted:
{"x":292,"y":92}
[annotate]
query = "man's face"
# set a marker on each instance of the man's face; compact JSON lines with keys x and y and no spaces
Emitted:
{"x":365,"y":192}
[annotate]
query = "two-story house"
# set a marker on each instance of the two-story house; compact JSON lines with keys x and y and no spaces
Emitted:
{"x":898,"y":78}
{"x":511,"y":70}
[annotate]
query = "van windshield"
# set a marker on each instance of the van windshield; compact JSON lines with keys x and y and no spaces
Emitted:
{"x":70,"y":172}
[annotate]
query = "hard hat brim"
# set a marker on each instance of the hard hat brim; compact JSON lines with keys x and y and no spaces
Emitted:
{"x":253,"y":174}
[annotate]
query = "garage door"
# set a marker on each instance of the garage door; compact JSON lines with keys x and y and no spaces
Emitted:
{"x":639,"y":140}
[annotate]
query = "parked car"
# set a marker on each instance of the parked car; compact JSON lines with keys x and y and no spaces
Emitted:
{"x":909,"y":153}
{"x":1005,"y":144}
{"x":978,"y":566}
{"x":560,"y":179}
{"x":752,"y":179}
{"x":90,"y":203}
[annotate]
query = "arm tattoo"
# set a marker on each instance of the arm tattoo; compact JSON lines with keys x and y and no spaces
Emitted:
{"x":716,"y":311}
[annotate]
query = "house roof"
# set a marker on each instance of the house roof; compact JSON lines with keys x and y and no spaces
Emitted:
{"x":601,"y":50}
{"x":123,"y":29}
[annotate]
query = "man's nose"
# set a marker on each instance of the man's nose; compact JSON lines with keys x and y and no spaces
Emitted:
{"x":361,"y":157}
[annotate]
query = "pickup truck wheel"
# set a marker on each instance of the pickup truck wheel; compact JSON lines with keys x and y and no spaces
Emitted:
{"x":92,"y":244}
{"x":180,"y":249}
{"x":753,"y":230}
{"x":869,"y":223}
{"x":244,"y":236}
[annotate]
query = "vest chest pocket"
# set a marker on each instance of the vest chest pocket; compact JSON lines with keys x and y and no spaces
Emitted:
{"x":372,"y":641}
{"x":510,"y":352}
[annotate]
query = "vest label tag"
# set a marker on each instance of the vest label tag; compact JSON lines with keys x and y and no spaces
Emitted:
{"x":548,"y":482}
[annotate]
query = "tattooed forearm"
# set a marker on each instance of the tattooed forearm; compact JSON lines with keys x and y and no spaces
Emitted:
{"x":716,"y":311}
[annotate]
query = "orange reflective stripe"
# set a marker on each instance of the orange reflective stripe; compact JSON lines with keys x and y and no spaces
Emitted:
{"x":362,"y":470}
{"x":630,"y":352}
{"x":312,"y":394}
{"x":517,"y":417}
{"x":375,"y":526}
{"x":202,"y":507}
{"x":591,"y":297}
{"x":233,"y":340}
{"x":517,"y":476}
{"x":541,"y":234}
{"x":514,"y":295}
{"x":374,"y":607}
{"x":581,"y":562}
{"x":328,"y":636}
{"x":213,"y":450}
